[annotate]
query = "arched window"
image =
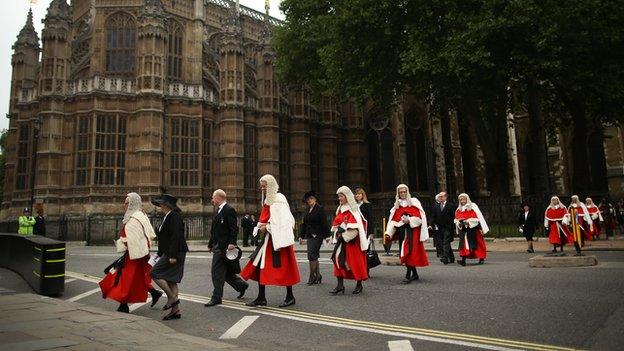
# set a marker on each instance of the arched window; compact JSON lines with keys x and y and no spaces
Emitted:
{"x":174,"y":53}
{"x":416,"y":150}
{"x":381,"y":155}
{"x":120,"y":45}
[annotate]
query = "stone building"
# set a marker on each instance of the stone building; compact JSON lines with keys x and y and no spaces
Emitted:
{"x":182,"y":96}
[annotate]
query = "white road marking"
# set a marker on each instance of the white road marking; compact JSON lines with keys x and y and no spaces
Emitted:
{"x":239,"y":327}
{"x":70,"y":280}
{"x":400,"y":345}
{"x":337,"y":324}
{"x":83,"y":295}
{"x":135,"y":306}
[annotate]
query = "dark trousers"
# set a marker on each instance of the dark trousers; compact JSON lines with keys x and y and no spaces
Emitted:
{"x":438,"y":242}
{"x":246,"y":235}
{"x":222,"y":272}
{"x":447,"y":238}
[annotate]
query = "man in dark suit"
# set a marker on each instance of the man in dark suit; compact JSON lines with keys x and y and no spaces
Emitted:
{"x":222,"y":238}
{"x":443,"y":216}
{"x":247,"y":225}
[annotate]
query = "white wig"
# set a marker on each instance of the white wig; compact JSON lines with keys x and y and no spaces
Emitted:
{"x":472,"y":206}
{"x":134,"y":204}
{"x":271,"y":190}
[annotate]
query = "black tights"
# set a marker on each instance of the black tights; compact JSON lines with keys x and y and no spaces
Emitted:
{"x":262,"y":292}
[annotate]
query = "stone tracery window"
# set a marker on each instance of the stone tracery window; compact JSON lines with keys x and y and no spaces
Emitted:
{"x":184,"y":155}
{"x":110,"y":146}
{"x":174,"y":53}
{"x":23,"y":157}
{"x":120,"y":45}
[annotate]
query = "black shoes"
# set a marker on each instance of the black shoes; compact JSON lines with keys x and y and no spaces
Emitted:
{"x":212,"y":302}
{"x":481,"y":261}
{"x":256,"y":302}
{"x":123,"y":307}
{"x":462,"y":262}
{"x":166,"y":307}
{"x":337,"y":290}
{"x":170,"y":316}
{"x":287,"y":302}
{"x":242,"y":292}
{"x":358,"y":289}
{"x":155,"y":296}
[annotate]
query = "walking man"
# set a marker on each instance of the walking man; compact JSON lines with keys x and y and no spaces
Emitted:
{"x":222,"y":238}
{"x":443,"y":216}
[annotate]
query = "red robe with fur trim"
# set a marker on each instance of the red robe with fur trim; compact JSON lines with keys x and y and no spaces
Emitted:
{"x":414,"y":256}
{"x":287,"y":274}
{"x":481,"y":251}
{"x":554,"y":216}
{"x":586,"y":228}
{"x":356,"y":266}
{"x":595,"y":227}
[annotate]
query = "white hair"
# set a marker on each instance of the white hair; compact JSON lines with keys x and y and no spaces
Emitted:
{"x":220,"y":193}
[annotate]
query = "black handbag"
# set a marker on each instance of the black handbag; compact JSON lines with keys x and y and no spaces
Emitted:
{"x":372,"y":257}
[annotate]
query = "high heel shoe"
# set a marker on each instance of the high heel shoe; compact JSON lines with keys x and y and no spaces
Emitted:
{"x":155,"y":296}
{"x":287,"y":303}
{"x":311,"y":281}
{"x":256,"y":302}
{"x":319,"y":280}
{"x":170,"y":316}
{"x":336,"y":291}
{"x":358,"y":289}
{"x":175,"y":303}
{"x":123,"y":307}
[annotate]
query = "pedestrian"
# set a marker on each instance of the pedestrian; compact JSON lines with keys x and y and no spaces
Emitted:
{"x":273,"y":262}
{"x":596,"y":217}
{"x":608,"y":212}
{"x":247,"y":226}
{"x":580,"y":221}
{"x":527,"y":225}
{"x":223,"y":234}
{"x":471,"y":227}
{"x":407,"y":215}
{"x":172,"y":248}
{"x":366,"y":209}
{"x":40,"y":226}
{"x":349,"y":255}
{"x":556,"y":221}
{"x":435,"y":233}
{"x":314,"y":230}
{"x":26,"y":223}
{"x":135,"y":240}
{"x":253,"y":223}
{"x":619,"y":214}
{"x":442,"y":222}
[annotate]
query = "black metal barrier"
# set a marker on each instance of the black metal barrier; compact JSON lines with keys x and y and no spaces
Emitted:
{"x":39,"y":260}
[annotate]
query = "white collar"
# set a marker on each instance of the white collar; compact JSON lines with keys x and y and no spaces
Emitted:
{"x":221,"y":206}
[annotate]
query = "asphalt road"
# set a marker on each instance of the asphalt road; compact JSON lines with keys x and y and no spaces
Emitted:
{"x":501,"y":305}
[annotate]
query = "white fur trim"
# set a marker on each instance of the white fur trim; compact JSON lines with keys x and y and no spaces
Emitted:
{"x":415,"y":222}
{"x":281,"y":223}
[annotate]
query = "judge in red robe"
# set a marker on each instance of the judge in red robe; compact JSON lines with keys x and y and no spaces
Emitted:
{"x":596,"y":217}
{"x":351,"y":243}
{"x":273,"y":262}
{"x":583,"y":220}
{"x":556,"y":221}
{"x":408,"y":215}
{"x":471,"y":227}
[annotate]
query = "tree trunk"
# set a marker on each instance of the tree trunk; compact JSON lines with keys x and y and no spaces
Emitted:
{"x":581,"y":178}
{"x":539,"y":179}
{"x":597,"y":159}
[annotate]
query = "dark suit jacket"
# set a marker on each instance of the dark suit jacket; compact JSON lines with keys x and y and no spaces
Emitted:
{"x":247,"y":224}
{"x":367,"y":211}
{"x":443,"y":219}
{"x":530,"y":224}
{"x":171,"y":239}
{"x":39,"y":228}
{"x":224,"y":228}
{"x":315,"y":222}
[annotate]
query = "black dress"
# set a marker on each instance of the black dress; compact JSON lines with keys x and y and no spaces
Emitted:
{"x":171,"y":244}
{"x":314,"y":230}
{"x":367,"y":212}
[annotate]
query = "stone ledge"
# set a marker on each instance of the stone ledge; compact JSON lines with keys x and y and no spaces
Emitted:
{"x":562,"y":261}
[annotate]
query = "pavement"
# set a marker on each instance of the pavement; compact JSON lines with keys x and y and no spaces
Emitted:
{"x":33,"y":322}
{"x":501,"y":305}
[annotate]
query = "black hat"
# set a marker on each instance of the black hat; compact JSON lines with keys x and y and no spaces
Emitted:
{"x":309,"y":194}
{"x":26,"y":209}
{"x":167,"y":200}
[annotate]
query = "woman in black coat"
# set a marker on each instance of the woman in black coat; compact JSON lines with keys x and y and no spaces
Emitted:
{"x":527,"y":224}
{"x":172,"y":249}
{"x":314,"y":229}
